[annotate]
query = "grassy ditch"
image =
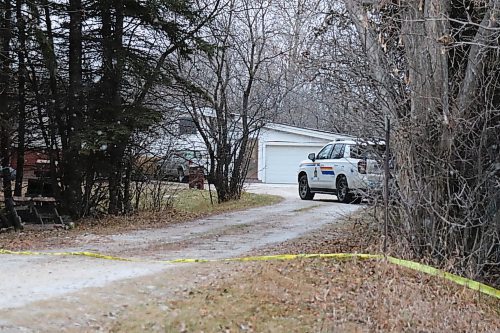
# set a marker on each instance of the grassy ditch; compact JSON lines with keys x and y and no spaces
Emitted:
{"x":329,"y":296}
{"x":318,"y":295}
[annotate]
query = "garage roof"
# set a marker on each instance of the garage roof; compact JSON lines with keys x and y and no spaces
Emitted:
{"x":320,"y":134}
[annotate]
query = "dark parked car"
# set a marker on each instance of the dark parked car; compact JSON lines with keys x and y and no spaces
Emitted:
{"x":12,"y":173}
{"x":178,"y":163}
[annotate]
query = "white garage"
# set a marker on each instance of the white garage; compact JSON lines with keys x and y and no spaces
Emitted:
{"x":282,"y":161}
{"x":282,"y":147}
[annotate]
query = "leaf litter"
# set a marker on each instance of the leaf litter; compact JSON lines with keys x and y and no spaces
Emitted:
{"x":324,"y":295}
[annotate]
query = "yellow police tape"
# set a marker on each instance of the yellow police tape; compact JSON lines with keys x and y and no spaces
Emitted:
{"x":471,"y":284}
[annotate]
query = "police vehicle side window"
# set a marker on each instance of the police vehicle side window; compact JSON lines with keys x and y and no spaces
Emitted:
{"x":324,"y":153}
{"x":338,"y":151}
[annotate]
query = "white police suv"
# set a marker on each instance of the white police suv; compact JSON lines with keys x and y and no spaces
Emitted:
{"x":348,"y":169}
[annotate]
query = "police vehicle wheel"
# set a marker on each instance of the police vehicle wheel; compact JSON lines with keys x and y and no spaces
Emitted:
{"x":304,"y":190}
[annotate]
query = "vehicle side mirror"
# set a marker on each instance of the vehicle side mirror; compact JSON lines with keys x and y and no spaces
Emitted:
{"x":312,"y":156}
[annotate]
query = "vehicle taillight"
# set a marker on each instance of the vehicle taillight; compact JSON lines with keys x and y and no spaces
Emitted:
{"x":362,"y":167}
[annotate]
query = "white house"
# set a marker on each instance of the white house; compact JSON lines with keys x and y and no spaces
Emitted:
{"x":276,"y":154}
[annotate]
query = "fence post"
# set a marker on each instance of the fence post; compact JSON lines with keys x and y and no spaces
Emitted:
{"x":387,"y":175}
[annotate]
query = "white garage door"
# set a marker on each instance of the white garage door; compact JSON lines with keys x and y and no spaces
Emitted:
{"x":282,"y":162}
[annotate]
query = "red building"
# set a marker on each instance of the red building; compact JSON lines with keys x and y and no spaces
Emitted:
{"x":34,"y":159}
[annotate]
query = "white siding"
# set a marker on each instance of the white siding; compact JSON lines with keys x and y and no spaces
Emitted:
{"x":282,"y":162}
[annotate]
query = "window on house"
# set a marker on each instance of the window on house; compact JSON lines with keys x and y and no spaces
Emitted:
{"x":187,"y":126}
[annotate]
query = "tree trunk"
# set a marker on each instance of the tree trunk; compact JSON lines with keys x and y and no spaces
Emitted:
{"x":72,"y":172}
{"x":112,"y":33}
{"x":5,"y":100}
{"x":5,"y":112}
{"x":54,"y":111}
{"x":21,"y":114}
{"x":378,"y":66}
{"x":127,"y":195}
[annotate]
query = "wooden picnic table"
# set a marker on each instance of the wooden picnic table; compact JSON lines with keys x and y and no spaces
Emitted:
{"x":37,"y":209}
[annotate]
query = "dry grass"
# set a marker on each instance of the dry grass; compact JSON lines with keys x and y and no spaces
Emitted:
{"x":320,"y":296}
{"x":200,"y":202}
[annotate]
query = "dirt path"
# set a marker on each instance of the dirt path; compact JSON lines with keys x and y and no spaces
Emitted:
{"x":41,"y":278}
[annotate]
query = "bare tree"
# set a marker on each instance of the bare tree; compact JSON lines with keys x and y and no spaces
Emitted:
{"x":235,"y":88}
{"x":432,"y":66}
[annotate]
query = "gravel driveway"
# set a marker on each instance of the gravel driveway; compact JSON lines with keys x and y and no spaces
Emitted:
{"x":26,"y":279}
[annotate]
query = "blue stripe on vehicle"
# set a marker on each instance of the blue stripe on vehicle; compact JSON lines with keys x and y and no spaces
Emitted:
{"x":329,"y":172}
